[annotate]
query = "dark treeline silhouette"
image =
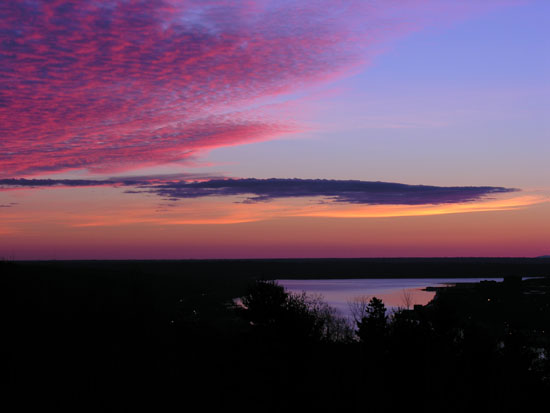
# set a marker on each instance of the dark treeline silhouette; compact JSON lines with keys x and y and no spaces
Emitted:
{"x":133,"y":336}
{"x":320,"y":268}
{"x":481,"y":346}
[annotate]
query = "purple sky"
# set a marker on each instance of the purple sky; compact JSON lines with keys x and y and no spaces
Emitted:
{"x":322,"y":110}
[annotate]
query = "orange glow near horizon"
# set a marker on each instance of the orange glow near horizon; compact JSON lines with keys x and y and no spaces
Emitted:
{"x":79,"y":223}
{"x":85,"y":207}
{"x":388,"y":211}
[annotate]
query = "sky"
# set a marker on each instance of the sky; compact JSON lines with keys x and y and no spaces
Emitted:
{"x":176,"y":129}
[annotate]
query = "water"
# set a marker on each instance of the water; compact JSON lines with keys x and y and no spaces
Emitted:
{"x":339,"y":293}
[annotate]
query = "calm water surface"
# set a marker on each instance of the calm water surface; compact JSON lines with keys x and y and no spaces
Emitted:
{"x":339,"y":293}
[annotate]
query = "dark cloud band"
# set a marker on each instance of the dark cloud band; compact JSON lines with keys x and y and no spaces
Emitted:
{"x":262,"y":190}
{"x":348,"y":191}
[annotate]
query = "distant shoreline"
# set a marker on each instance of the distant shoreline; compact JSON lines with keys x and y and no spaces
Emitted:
{"x":336,"y":268}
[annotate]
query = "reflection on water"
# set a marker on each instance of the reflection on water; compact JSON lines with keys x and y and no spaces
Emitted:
{"x":338,"y":293}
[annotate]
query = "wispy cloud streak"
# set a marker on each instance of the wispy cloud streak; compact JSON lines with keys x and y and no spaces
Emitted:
{"x":14,"y":183}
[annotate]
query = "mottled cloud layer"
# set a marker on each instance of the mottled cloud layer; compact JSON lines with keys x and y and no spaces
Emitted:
{"x":114,"y":85}
{"x":261,"y":190}
{"x":110,"y":85}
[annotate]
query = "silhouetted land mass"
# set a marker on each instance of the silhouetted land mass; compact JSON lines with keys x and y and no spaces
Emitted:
{"x":159,"y":335}
{"x":315,"y":268}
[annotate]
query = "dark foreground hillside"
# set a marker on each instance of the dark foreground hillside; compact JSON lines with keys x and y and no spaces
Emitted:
{"x":153,"y":336}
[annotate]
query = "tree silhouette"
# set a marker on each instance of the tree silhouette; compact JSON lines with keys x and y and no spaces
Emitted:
{"x":274,"y":311}
{"x":372,"y":326}
{"x":264,"y":303}
{"x":407,"y":298}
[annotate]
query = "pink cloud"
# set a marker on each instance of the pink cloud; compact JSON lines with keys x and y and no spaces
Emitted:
{"x":115,"y":85}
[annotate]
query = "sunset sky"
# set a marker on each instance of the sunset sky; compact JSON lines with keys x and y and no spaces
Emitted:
{"x":177,"y":129}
